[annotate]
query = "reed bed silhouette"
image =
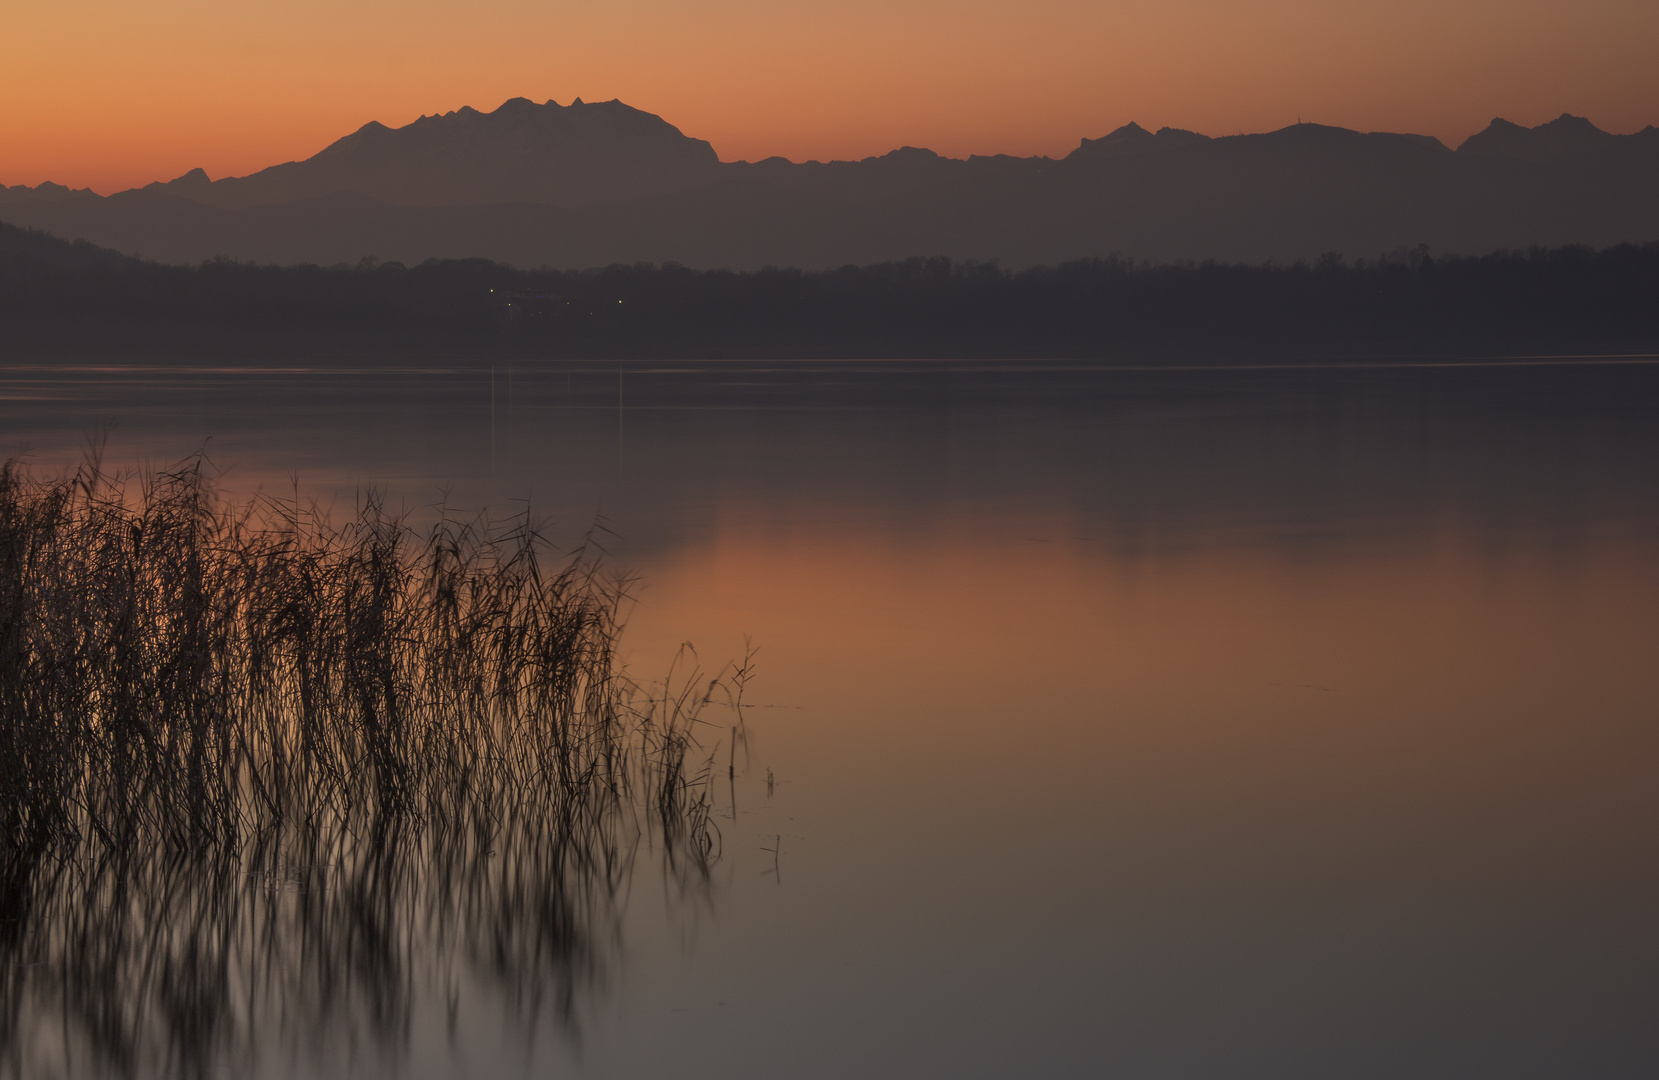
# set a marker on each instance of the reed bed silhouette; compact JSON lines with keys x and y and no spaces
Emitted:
{"x":262,"y":773}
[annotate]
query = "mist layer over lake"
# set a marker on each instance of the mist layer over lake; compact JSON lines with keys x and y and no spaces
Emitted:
{"x":1182,"y":723}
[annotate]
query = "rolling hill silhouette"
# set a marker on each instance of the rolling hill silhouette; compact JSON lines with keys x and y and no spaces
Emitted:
{"x":602,"y":183}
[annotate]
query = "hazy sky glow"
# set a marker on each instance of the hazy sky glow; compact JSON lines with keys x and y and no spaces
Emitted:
{"x":114,"y":93}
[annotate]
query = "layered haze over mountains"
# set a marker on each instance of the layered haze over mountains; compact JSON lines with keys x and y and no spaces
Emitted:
{"x":590,"y":184}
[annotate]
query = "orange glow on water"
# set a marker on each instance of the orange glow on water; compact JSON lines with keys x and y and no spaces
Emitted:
{"x":1440,"y":705}
{"x":113,"y":95}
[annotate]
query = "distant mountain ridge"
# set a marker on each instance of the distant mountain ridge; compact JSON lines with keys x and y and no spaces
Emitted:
{"x":592,"y":184}
{"x":1565,"y":136}
{"x":522,"y":152}
{"x":46,"y":192}
{"x":1131,"y":138}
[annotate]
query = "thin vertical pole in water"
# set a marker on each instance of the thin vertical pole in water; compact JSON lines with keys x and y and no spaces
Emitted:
{"x":492,"y":419}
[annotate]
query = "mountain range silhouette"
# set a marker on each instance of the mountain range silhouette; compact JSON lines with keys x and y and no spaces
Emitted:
{"x":599,"y":183}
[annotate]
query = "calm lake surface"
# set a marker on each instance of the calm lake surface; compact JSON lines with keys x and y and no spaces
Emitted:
{"x":1197,"y":723}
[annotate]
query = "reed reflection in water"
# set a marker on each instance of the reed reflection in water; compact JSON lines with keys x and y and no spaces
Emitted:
{"x":282,"y":794}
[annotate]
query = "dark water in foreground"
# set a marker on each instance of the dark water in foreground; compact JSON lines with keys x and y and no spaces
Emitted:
{"x":1184,"y":724}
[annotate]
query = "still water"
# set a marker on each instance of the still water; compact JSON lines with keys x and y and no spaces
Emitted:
{"x":1191,"y":723}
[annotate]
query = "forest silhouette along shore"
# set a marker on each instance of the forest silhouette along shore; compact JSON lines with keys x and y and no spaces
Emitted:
{"x":60,"y":300}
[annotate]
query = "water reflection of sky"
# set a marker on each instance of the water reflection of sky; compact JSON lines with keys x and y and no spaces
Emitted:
{"x":1197,"y":724}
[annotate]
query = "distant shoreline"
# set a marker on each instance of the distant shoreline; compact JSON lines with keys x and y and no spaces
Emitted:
{"x":62,"y":301}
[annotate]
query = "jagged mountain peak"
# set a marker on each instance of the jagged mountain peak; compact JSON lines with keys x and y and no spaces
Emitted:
{"x":521,"y":151}
{"x":46,"y":191}
{"x":1132,"y":139}
{"x":1128,"y":138}
{"x":1566,"y":134}
{"x":193,"y":182}
{"x":1131,"y":130}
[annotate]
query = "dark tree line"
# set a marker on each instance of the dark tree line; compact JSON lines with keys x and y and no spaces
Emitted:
{"x":60,"y":296}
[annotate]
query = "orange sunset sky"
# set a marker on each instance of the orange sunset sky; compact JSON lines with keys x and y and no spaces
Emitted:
{"x":113,"y":93}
